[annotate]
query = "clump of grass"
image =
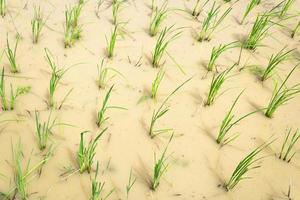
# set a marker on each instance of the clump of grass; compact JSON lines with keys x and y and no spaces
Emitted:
{"x":289,"y":142}
{"x":2,"y":7}
{"x":72,"y":29}
{"x":156,"y":83}
{"x":97,"y":188}
{"x":161,"y":111}
{"x":11,"y":54}
{"x":249,"y":7}
{"x":196,"y":10}
{"x":43,"y":130}
{"x":248,"y":163}
{"x":216,"y":52}
{"x":87,"y":152}
{"x":112,"y":42}
{"x":216,"y":84}
{"x":274,"y":61}
{"x":157,"y":17}
{"x":116,"y":5}
{"x":131,"y":182}
{"x":37,"y":23}
{"x":228,"y":122}
{"x":103,"y":75}
{"x":281,"y":95}
{"x":9,"y":103}
{"x":101,"y":118}
{"x":285,"y":7}
{"x":165,"y":38}
{"x":22,"y":174}
{"x":160,"y":167}
{"x":258,"y":32}
{"x":212,"y":21}
{"x":295,"y":30}
{"x":56,"y":76}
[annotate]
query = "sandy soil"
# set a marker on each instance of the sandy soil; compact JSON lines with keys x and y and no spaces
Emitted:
{"x":198,"y":165}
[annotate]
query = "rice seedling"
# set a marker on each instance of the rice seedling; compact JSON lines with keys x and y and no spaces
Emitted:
{"x":285,"y":7}
{"x":281,"y":95}
{"x":116,"y":5}
{"x":197,"y":8}
{"x":228,"y":122}
{"x":212,"y":21}
{"x":9,"y":103}
{"x":86,"y":153}
{"x":101,"y":118}
{"x":247,"y":164}
{"x":37,"y":23}
{"x":161,"y":111}
{"x":11,"y":54}
{"x":72,"y":29}
{"x":258,"y":32}
{"x":56,"y":76}
{"x":216,"y":84}
{"x":295,"y":30}
{"x":43,"y":130}
{"x":274,"y":61}
{"x":157,"y":17}
{"x":131,"y":182}
{"x":165,"y":38}
{"x":22,"y":174}
{"x":249,"y":7}
{"x":2,"y":7}
{"x":216,"y":52}
{"x":97,"y":188}
{"x":160,"y":167}
{"x":291,"y":138}
{"x":156,"y":83}
{"x":112,"y":42}
{"x":104,"y":76}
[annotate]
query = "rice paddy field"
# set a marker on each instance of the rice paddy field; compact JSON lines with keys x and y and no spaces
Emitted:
{"x":149,"y":99}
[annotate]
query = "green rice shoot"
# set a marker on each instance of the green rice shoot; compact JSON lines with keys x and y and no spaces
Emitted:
{"x":249,"y":7}
{"x":216,"y":52}
{"x":247,"y":164}
{"x":160,"y":167}
{"x":87,"y":152}
{"x":290,"y":140}
{"x":281,"y":95}
{"x":295,"y":30}
{"x":212,"y":21}
{"x":106,"y":74}
{"x":156,"y":83}
{"x":11,"y":54}
{"x":274,"y":61}
{"x":165,"y":38}
{"x":37,"y":24}
{"x":72,"y":29}
{"x":101,"y":115}
{"x":216,"y":84}
{"x":8,"y":103}
{"x":98,"y":187}
{"x":160,"y":112}
{"x":131,"y":182}
{"x":2,"y":7}
{"x":258,"y":32}
{"x":43,"y":130}
{"x":157,"y":17}
{"x":228,"y":123}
